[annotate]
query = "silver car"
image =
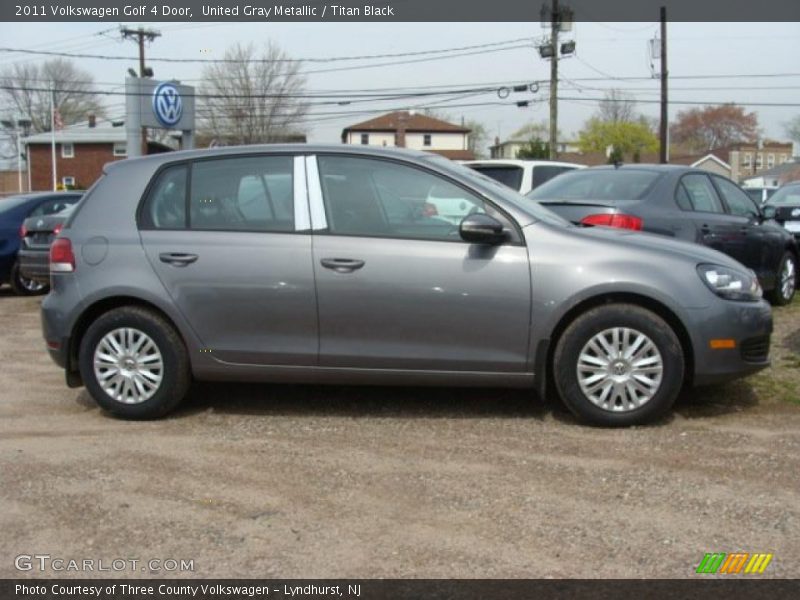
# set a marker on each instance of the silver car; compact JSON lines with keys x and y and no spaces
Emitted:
{"x":320,"y":264}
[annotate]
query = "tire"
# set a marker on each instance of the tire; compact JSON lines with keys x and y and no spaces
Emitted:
{"x":138,"y":388}
{"x":618,"y":395}
{"x":23,"y":286}
{"x":785,"y":281}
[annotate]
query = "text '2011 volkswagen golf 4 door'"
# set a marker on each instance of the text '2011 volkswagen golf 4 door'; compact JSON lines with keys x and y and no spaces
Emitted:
{"x":325,"y":264}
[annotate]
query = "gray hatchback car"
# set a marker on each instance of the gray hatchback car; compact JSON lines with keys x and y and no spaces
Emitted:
{"x":327,"y":264}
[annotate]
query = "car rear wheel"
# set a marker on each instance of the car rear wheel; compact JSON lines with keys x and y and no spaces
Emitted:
{"x":785,"y":281}
{"x":24,"y":286}
{"x":618,"y":365}
{"x":134,"y":363}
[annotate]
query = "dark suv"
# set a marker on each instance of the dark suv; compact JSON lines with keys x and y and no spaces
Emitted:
{"x":684,"y":203}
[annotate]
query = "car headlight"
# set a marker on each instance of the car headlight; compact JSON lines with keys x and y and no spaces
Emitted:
{"x":730,"y":284}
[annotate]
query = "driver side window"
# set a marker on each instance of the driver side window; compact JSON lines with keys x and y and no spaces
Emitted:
{"x":378,"y":198}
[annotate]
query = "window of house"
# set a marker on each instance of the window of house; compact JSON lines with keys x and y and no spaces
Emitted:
{"x":784,"y":158}
{"x":365,"y":139}
{"x":426,"y":139}
{"x":747,"y":160}
{"x":67,"y":150}
{"x":120,"y":149}
{"x":68,"y":181}
{"x":759,"y":160}
{"x":770,"y":161}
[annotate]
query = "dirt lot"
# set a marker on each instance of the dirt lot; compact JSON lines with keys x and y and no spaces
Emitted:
{"x":275,"y":481}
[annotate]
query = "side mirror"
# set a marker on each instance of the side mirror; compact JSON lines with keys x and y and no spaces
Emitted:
{"x":482,"y":229}
{"x":768,"y":212}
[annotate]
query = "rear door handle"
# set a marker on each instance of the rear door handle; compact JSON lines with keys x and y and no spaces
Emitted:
{"x":342,"y":265}
{"x":177,"y":259}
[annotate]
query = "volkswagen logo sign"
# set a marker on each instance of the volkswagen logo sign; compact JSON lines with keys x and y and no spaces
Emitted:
{"x":796,"y":212}
{"x":167,"y":104}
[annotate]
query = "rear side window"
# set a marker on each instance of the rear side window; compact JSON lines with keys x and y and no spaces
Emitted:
{"x":701,"y":193}
{"x":546,"y":173}
{"x":243,"y":194}
{"x":509,"y":175}
{"x":165,"y":205}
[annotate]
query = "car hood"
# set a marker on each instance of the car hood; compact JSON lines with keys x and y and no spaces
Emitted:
{"x":637,"y":241}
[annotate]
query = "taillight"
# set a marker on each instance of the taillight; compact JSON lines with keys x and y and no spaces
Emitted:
{"x":429,"y":210}
{"x":23,"y":231}
{"x":57,"y":229}
{"x":62,"y":259}
{"x":614,"y":220}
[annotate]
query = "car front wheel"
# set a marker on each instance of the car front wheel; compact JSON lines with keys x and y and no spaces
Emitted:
{"x":134,"y":363}
{"x":618,"y":365}
{"x":785,"y":281}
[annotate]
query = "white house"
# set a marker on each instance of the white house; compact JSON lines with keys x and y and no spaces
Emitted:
{"x":407,"y":129}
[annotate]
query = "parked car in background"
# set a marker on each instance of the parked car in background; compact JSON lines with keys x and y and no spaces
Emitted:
{"x":521,"y":175}
{"x":36,"y":235}
{"x":760,"y":194}
{"x":683,"y":203}
{"x":784,"y":207}
{"x":171,"y":269}
{"x":13,"y":211}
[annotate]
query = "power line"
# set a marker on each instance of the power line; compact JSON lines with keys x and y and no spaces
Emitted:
{"x":266,"y":60}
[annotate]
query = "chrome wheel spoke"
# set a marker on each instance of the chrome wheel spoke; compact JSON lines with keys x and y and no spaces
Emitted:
{"x":619,"y":369}
{"x":128,"y":365}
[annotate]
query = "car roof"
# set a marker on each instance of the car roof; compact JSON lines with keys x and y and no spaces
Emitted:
{"x":518,"y":162}
{"x":647,"y":167}
{"x":168,"y":157}
{"x":35,"y":195}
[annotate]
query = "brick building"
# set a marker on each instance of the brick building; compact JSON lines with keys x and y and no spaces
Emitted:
{"x":81,"y":151}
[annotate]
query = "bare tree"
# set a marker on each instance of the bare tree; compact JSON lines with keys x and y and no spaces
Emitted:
{"x":252,"y":98}
{"x":27,"y":88}
{"x":617,"y":107}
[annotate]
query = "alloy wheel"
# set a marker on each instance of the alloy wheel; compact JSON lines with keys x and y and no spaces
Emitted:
{"x":128,"y":365}
{"x":620,"y":369}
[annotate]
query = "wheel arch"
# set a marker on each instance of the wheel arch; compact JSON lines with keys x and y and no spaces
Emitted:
{"x":657,"y":307}
{"x":92,"y":312}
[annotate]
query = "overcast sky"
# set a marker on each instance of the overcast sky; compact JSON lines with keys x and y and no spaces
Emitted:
{"x":604,"y":50}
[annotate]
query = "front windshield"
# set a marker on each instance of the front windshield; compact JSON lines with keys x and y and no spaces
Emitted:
{"x":519,"y":201}
{"x":597,"y":184}
{"x":785,"y":196}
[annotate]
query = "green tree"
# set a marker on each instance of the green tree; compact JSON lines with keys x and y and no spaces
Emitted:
{"x":625,"y":139}
{"x":536,"y":149}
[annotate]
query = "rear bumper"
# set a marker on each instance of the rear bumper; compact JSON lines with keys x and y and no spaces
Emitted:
{"x":35,"y":264}
{"x":748,"y":324}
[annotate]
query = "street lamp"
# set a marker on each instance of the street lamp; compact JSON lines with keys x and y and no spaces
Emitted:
{"x":17,"y":129}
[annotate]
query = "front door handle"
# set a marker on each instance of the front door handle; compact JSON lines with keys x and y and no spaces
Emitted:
{"x":342,"y":265}
{"x":177,"y":259}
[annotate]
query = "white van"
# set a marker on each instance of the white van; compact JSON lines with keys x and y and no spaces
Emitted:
{"x":521,"y":175}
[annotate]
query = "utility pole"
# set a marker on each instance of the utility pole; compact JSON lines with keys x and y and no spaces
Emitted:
{"x":554,"y":26}
{"x":140,"y":36}
{"x":663,"y":128}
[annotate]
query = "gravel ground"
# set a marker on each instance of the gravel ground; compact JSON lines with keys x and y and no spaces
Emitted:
{"x":296,"y":481}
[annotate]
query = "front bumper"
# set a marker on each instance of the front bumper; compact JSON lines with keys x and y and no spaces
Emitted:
{"x":748,"y":324}
{"x":35,"y":264}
